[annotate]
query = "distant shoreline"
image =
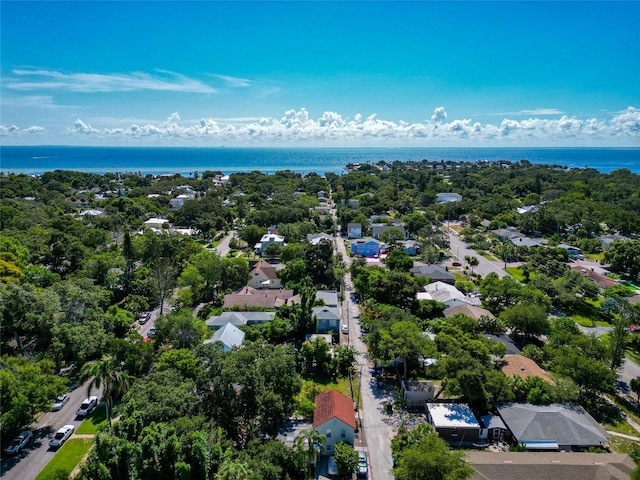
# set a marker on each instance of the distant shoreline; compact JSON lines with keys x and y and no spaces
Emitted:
{"x":188,"y":160}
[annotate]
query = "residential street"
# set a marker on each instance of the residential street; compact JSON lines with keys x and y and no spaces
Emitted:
{"x":28,"y":464}
{"x":375,"y":433}
{"x":485,"y":267}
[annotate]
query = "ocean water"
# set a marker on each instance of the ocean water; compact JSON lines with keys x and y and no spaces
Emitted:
{"x":186,"y":161}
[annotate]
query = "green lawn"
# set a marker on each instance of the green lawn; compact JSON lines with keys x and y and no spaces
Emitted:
{"x":589,"y":321}
{"x":94,"y":421}
{"x":488,"y":256}
{"x":66,"y":458}
{"x":516,"y":272}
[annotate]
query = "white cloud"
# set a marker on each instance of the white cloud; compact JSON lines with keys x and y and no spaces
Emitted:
{"x":298,"y":127}
{"x":439,"y":115}
{"x":162,"y":80}
{"x":234,"y":82}
{"x":13,"y":130}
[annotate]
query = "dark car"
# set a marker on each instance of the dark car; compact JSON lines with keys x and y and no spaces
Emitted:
{"x":21,"y":441}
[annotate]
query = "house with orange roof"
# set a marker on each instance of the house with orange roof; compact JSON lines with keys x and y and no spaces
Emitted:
{"x":334,"y":418}
{"x":523,"y":367}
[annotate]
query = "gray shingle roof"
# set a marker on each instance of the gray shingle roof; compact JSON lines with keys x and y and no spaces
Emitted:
{"x":563,"y":423}
{"x":230,"y":336}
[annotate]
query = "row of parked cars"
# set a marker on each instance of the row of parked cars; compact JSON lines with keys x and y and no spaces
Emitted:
{"x":63,"y":433}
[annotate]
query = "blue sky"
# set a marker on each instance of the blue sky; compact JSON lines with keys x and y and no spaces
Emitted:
{"x":320,"y":73}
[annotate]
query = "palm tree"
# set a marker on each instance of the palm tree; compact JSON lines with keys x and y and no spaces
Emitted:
{"x":233,"y":470}
{"x":106,"y":373}
{"x":473,"y":262}
{"x":310,"y":442}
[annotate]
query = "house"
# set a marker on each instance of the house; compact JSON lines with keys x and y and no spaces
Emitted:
{"x":316,"y":238}
{"x":454,"y":422}
{"x":92,"y":213}
{"x":601,"y":280}
{"x":366,"y":247}
{"x":470,"y":311}
{"x":435,"y":272}
{"x":523,"y":367}
{"x":506,"y":234}
{"x":354,"y":230}
{"x":178,"y":201}
{"x":268,"y":298}
{"x":328,"y":319}
{"x":156,"y":224}
{"x":572,"y":252}
{"x":264,"y":275}
{"x":411,"y":248}
{"x":353,"y":203}
{"x":230,"y":336}
{"x":322,"y":209}
{"x":527,"y":209}
{"x":416,"y":393}
{"x":523,"y":241}
{"x":239,"y":318}
{"x":322,"y":194}
{"x":493,"y":428}
{"x":328,"y":297}
{"x":549,"y":466}
{"x":448,"y":197}
{"x":447,"y":294}
{"x":511,"y":348}
{"x":552,"y":427}
{"x":378,"y":228}
{"x":334,"y":418}
{"x":266,"y":240}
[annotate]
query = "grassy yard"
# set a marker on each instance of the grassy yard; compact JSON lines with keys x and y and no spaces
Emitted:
{"x":488,"y":256}
{"x":589,"y":321}
{"x":66,"y":458}
{"x":516,"y":272}
{"x":94,"y":421}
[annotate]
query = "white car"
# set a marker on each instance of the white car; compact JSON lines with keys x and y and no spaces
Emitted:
{"x":87,"y":406}
{"x":60,"y":402}
{"x":345,"y":328}
{"x":22,"y":440}
{"x":61,"y":436}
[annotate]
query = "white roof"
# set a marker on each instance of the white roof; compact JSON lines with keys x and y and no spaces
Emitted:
{"x":155,"y":221}
{"x":452,"y":415}
{"x":230,"y":336}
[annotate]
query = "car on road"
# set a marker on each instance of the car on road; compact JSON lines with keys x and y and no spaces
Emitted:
{"x":87,"y":406}
{"x":152,"y":332}
{"x":332,"y":467}
{"x":61,"y":436}
{"x":363,"y":465}
{"x":345,"y":328}
{"x":60,"y":402}
{"x":22,"y":440}
{"x":144,"y":318}
{"x":634,"y":328}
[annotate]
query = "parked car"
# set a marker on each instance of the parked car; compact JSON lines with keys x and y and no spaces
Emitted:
{"x":152,"y":332}
{"x":344,"y":329}
{"x":22,"y":440}
{"x":61,"y":436}
{"x":60,"y":402}
{"x":144,"y":318}
{"x":363,"y":466}
{"x":634,"y":328}
{"x":87,"y":406}
{"x":332,"y":468}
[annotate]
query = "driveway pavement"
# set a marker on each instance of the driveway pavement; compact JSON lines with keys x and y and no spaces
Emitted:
{"x":485,"y":267}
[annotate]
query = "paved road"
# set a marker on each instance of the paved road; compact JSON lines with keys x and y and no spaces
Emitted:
{"x":376,"y":434}
{"x":223,"y":247}
{"x":485,"y":267}
{"x":31,"y":461}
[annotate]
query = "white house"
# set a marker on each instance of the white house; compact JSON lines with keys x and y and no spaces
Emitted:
{"x":447,"y":294}
{"x":334,"y":418}
{"x":230,"y":336}
{"x":264,"y":275}
{"x":156,"y":224}
{"x":447,"y":197}
{"x":178,"y":201}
